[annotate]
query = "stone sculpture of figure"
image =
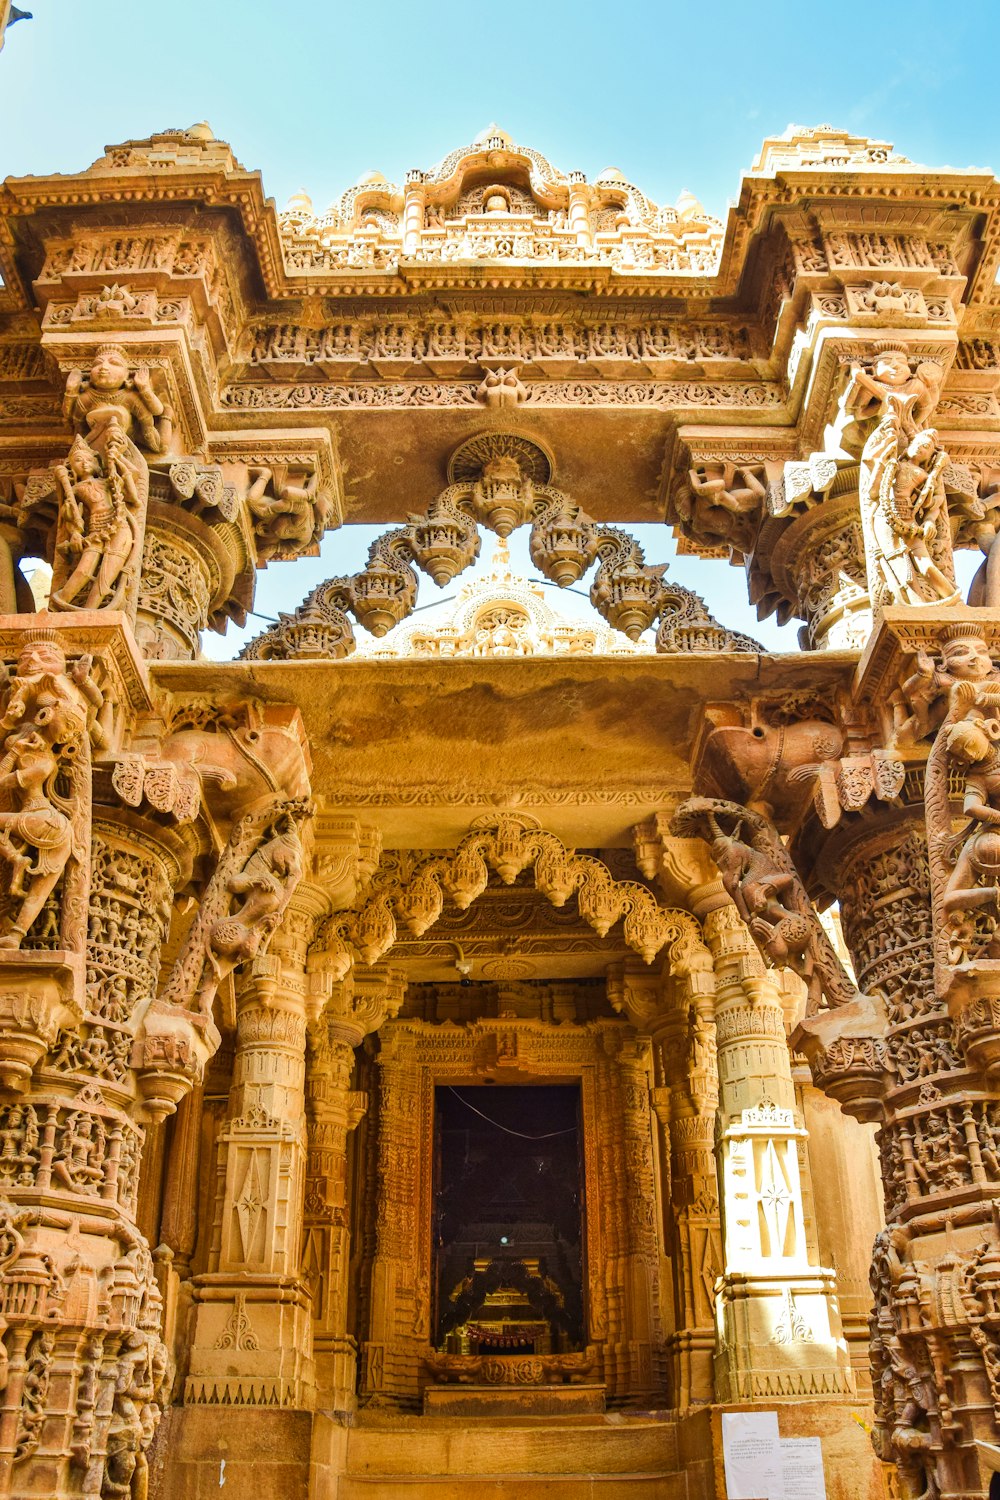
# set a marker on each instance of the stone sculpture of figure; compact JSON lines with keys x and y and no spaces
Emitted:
{"x":768,"y":893}
{"x":920,"y":704}
{"x":965,"y":867}
{"x":102,"y":488}
{"x":265,"y":883}
{"x":901,"y":490}
{"x":722,"y":504}
{"x":971,"y":744}
{"x":701,"y":1042}
{"x":126,"y":1471}
{"x":99,"y":525}
{"x":36,"y":840}
{"x":261,"y":864}
{"x":79,"y":1165}
{"x":142,"y":414}
{"x":292,"y":518}
{"x":43,"y":739}
{"x":910,"y":1441}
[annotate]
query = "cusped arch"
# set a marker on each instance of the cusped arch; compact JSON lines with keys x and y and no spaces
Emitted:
{"x":413,"y":896}
{"x":629,"y":593}
{"x":496,"y":154}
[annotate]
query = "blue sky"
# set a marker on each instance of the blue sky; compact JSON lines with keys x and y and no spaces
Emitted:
{"x":677,"y":96}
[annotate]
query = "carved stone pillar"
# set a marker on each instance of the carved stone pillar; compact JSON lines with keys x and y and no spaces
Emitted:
{"x":677,"y":1012}
{"x":810,"y":561}
{"x":252,"y":1342}
{"x":197,"y":560}
{"x":778,"y":1323}
{"x":333,"y":1110}
{"x":179,"y":1217}
{"x":80,"y":1294}
{"x":393,"y":1349}
{"x":414,"y":205}
{"x":579,"y":209}
{"x":935,"y":1325}
{"x":633,"y":1350}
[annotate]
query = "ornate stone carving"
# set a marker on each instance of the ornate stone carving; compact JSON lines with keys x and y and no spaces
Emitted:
{"x":508,"y":844}
{"x":767,"y":891}
{"x":259,"y":870}
{"x":630,"y":594}
{"x":289,"y":515}
{"x":150,"y":811}
{"x":907,"y":546}
{"x":44,"y":778}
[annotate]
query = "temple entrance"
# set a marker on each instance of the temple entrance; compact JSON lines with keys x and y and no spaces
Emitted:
{"x":508,"y":1220}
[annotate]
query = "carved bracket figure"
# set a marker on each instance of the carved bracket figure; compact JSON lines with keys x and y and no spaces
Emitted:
{"x":964,"y":862}
{"x":96,"y":501}
{"x":903,"y":510}
{"x":844,"y":1042}
{"x":45,"y":788}
{"x":289,"y":513}
{"x":253,"y":883}
{"x":767,"y":891}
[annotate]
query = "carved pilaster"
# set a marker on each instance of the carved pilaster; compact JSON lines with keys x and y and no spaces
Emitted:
{"x":179,"y":1217}
{"x":678,"y":1013}
{"x":333,"y":1110}
{"x":392,"y":1352}
{"x":780,"y":1333}
{"x":252,"y":1339}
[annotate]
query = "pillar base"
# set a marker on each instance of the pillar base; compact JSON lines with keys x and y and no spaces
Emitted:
{"x":336,"y":1365}
{"x":776,"y":1343}
{"x":249,"y":1345}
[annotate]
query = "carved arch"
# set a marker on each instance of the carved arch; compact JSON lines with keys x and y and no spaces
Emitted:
{"x":628,"y":592}
{"x":507,"y":843}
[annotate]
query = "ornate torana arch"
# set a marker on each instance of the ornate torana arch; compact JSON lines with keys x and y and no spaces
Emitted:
{"x":496,"y":489}
{"x":412,"y":894}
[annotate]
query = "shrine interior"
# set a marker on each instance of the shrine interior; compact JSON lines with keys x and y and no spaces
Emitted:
{"x":508,"y":1220}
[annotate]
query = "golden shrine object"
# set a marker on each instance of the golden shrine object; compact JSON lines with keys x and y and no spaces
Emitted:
{"x":253,"y":915}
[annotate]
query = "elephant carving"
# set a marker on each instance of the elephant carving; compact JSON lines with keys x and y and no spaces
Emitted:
{"x":768,"y":767}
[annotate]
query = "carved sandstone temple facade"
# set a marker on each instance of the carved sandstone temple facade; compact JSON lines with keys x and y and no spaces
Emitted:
{"x":475,"y":1065}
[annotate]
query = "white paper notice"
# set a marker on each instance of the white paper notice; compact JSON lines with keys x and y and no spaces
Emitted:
{"x":802,"y":1466}
{"x":751,"y":1450}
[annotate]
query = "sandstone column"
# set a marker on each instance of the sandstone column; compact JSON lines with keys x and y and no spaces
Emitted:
{"x":333,"y":1110}
{"x":252,"y":1342}
{"x":778,"y":1319}
{"x":677,"y":1011}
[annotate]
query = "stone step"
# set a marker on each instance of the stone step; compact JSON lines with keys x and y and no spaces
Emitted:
{"x":517,"y":1487}
{"x":430,"y":1448}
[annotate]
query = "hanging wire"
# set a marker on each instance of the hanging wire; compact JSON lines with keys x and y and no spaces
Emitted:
{"x":505,"y":1128}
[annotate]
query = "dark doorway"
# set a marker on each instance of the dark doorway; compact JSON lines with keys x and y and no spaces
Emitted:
{"x":508,"y":1221}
